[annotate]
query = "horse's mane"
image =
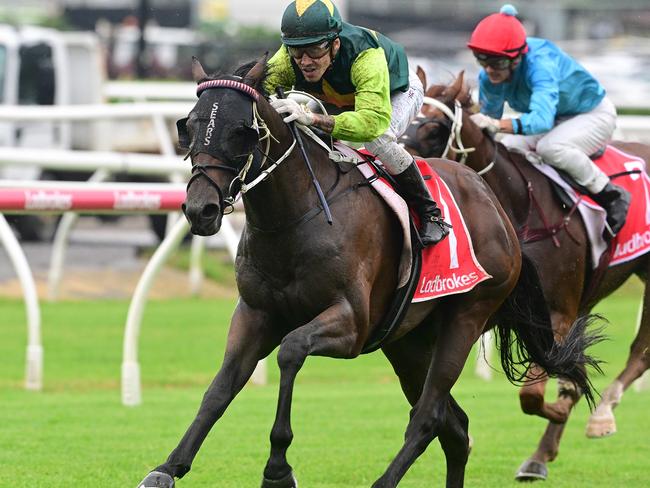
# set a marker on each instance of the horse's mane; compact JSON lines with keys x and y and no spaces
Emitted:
{"x":241,"y":72}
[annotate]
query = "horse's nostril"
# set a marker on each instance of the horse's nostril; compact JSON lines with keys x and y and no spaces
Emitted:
{"x":210,"y":211}
{"x":184,"y":208}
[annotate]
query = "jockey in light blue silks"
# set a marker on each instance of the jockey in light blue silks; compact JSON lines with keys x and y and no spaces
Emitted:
{"x":565,"y":113}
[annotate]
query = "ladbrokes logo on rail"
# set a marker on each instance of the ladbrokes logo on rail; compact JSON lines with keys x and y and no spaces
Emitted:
{"x":453,"y":282}
{"x":131,"y":200}
{"x":47,"y":200}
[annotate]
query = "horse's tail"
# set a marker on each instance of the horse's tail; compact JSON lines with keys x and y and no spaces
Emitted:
{"x":525,"y":336}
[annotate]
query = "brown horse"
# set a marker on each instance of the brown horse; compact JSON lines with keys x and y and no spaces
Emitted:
{"x":315,"y":289}
{"x":570,"y":285}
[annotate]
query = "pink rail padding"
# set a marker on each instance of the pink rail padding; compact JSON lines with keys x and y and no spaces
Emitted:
{"x":39,"y":200}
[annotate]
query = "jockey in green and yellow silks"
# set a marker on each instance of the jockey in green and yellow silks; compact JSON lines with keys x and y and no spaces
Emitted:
{"x":365,"y":77}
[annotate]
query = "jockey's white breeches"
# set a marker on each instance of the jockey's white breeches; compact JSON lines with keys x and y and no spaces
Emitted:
{"x":567,"y":146}
{"x":406,"y":106}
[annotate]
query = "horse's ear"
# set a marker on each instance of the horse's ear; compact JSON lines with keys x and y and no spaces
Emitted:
{"x":465,"y":95}
{"x":461,"y":78}
{"x":256,"y":73}
{"x":422,"y":75}
{"x":198,"y":73}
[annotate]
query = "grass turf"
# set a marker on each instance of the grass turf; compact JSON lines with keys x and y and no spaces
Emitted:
{"x":348,"y":417}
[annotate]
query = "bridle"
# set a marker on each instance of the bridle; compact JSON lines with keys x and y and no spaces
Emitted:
{"x":254,"y":168}
{"x":410,"y":137}
{"x":455,"y":142}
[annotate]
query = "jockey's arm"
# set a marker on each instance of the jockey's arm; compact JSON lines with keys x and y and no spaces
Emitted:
{"x":372,"y":107}
{"x":542,"y":106}
{"x":543,"y":100}
{"x":491,"y":101}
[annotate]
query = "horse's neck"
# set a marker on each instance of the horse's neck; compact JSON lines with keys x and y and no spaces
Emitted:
{"x":501,"y":173}
{"x":288,"y":193}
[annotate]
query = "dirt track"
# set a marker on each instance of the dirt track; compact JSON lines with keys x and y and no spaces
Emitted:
{"x":107,"y":283}
{"x":103,"y":261}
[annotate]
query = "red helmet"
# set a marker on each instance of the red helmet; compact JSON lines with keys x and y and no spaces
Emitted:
{"x":500,"y":34}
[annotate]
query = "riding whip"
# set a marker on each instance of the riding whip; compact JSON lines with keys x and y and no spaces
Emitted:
{"x":319,"y":191}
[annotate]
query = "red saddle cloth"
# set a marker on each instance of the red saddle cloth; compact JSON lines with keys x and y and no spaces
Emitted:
{"x":450,"y":266}
{"x":633,"y":240}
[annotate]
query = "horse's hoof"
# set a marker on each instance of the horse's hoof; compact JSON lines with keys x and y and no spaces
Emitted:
{"x":531,"y":471}
{"x":289,"y":481}
{"x":601,"y":426}
{"x":157,"y":479}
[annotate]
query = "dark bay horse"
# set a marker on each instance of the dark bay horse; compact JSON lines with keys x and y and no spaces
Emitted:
{"x":317,"y":289}
{"x":570,"y":285}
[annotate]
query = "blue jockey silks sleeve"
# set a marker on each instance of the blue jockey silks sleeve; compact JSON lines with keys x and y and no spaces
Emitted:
{"x":547,"y":84}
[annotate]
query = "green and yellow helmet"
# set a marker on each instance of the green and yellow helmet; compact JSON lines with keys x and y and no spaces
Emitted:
{"x":307,"y":22}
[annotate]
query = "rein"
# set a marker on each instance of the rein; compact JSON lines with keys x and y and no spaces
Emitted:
{"x":456,"y":118}
{"x":528,"y":235}
{"x":525,"y":233}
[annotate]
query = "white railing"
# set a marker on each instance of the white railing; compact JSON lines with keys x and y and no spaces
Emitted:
{"x":104,"y":163}
{"x":47,"y":197}
{"x":92,"y":197}
{"x":150,"y":90}
{"x":59,"y":197}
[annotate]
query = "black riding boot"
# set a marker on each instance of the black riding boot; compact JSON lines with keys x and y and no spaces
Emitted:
{"x":412,"y":188}
{"x":616,"y":202}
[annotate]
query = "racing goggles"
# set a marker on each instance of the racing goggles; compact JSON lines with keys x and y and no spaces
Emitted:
{"x":314,"y":51}
{"x":494,"y":62}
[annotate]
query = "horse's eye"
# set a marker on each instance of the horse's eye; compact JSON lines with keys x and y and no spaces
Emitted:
{"x":191,"y":121}
{"x":245,"y":131}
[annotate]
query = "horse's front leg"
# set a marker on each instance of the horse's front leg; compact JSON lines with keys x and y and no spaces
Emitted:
{"x":531,"y":398}
{"x":250,"y":339}
{"x":532,"y":401}
{"x":534,"y":468}
{"x":333,"y":333}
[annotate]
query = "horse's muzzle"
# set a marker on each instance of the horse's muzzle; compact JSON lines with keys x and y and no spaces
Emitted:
{"x":205,"y":220}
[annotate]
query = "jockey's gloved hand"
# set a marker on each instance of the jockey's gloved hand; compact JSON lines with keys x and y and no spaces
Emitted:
{"x":486,"y":123}
{"x":294,"y":111}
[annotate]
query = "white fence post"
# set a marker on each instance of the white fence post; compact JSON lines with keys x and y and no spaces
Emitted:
{"x":643,"y":383}
{"x":34,"y":362}
{"x":61,"y":240}
{"x":131,"y":388}
{"x":484,"y":356}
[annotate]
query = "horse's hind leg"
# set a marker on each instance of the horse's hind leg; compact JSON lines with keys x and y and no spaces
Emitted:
{"x":434,"y":414}
{"x":602,"y":422}
{"x":454,"y":439}
{"x":410,"y":357}
{"x":332,"y":333}
{"x":250,"y":338}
